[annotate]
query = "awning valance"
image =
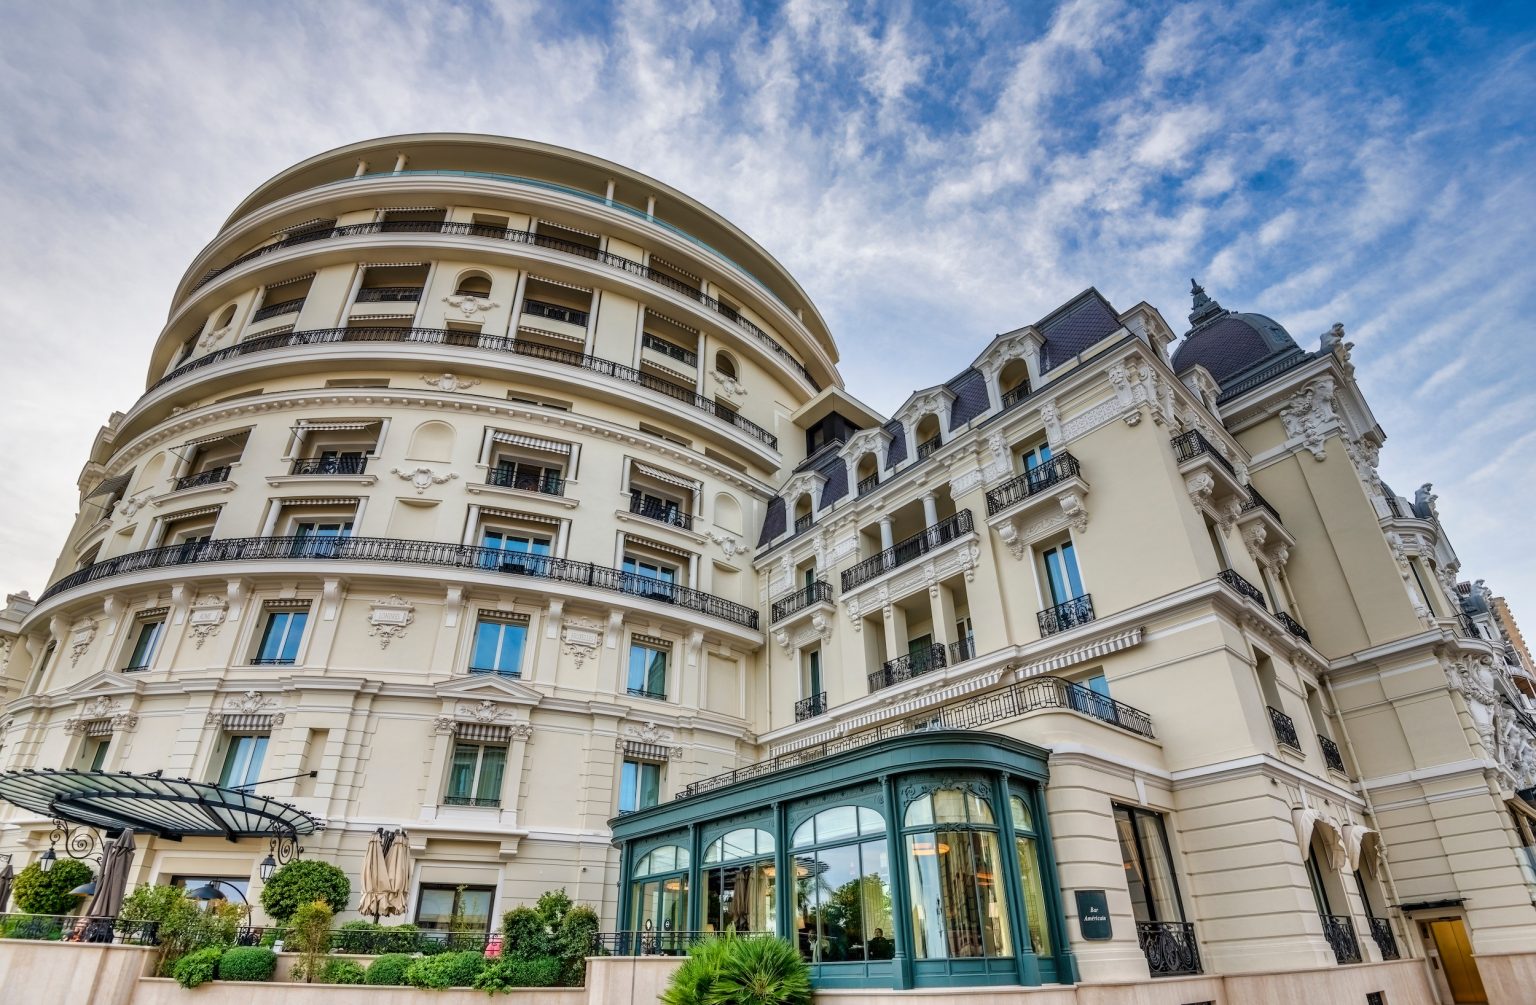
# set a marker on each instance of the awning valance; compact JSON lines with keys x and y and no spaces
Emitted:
{"x":561,"y":282}
{"x":532,"y":443}
{"x":690,"y":484}
{"x":332,"y":427}
{"x":111,"y":486}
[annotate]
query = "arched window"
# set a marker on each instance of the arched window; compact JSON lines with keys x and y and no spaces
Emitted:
{"x":867,"y":473}
{"x":658,"y":891}
{"x":725,"y":365}
{"x":473,"y":284}
{"x":1013,"y":383}
{"x":805,"y":513}
{"x":842,"y":908}
{"x":954,"y":876}
{"x":739,"y":882}
{"x":929,"y":437}
{"x":225,"y":317}
{"x":1026,"y":847}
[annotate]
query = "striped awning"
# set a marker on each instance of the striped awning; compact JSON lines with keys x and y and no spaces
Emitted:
{"x":292,"y":227}
{"x":290,"y":282}
{"x":246,"y":722}
{"x":671,"y":321}
{"x":111,"y":486}
{"x":670,"y":549}
{"x":564,"y":336}
{"x":657,"y":259}
{"x":484,"y":732}
{"x":99,"y":727}
{"x":566,"y":226}
{"x":531,"y":442}
{"x":213,"y":438}
{"x":320,"y":501}
{"x":513,"y":514}
{"x":188,"y":514}
{"x":561,"y":282}
{"x":331,"y":427}
{"x":390,"y":265}
{"x":642,"y":751}
{"x":691,"y":484}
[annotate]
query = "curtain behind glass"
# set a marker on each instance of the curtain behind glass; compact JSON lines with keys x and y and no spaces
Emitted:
{"x":461,"y":773}
{"x":493,"y":766}
{"x":1159,"y":866}
{"x":957,"y":903}
{"x":1034,"y":896}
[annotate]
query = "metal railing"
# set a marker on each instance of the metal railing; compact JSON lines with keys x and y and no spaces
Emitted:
{"x":514,"y":236}
{"x":1331,"y":756}
{"x":819,"y":592}
{"x":1340,"y":933}
{"x":868,"y":485}
{"x":1008,"y":702}
{"x":672,"y":349}
{"x":1038,"y":478}
{"x":284,"y":307}
{"x":804,"y":523}
{"x":135,"y":668}
{"x":905,"y":551}
{"x":210,"y":477}
{"x":498,"y":671}
{"x":1393,"y":507}
{"x":1069,"y":614}
{"x":64,"y":928}
{"x":272,"y":661}
{"x":1015,"y":396}
{"x":409,"y":552}
{"x":1255,"y":500}
{"x":640,"y":692}
{"x":671,"y":515}
{"x":1242,"y":586}
{"x":329,"y":466}
{"x":378,"y":941}
{"x":811,"y":707}
{"x":1285,"y":728}
{"x":913,"y":664}
{"x":554,"y":312}
{"x":1385,"y":938}
{"x":548,"y":482}
{"x":1467,"y":626}
{"x":388,"y":295}
{"x":927,"y":447}
{"x":1169,"y":947}
{"x":1188,"y":446}
{"x":1293,"y":626}
{"x":471,"y":800}
{"x":660,"y":943}
{"x":961,"y":650}
{"x":473,"y":340}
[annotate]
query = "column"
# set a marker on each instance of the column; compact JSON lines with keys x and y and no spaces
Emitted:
{"x":885,"y":534}
{"x":895,"y":632}
{"x":930,"y":509}
{"x":942,"y":601}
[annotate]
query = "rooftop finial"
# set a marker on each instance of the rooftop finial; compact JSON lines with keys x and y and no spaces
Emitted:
{"x":1205,"y":308}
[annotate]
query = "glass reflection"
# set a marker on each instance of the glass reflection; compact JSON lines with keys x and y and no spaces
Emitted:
{"x":843,"y":903}
{"x":740,"y":898}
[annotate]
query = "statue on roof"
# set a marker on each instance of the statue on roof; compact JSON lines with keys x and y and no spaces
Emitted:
{"x":1204,"y":307}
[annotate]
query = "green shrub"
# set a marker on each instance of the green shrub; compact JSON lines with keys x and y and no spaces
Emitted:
{"x":39,"y":892}
{"x":338,"y":971}
{"x":761,"y":972}
{"x":554,"y":928}
{"x":525,"y":935}
{"x":31,"y":927}
{"x":388,"y":970}
{"x":504,"y":975}
{"x":359,"y":937}
{"x":304,"y":881}
{"x":197,"y":968}
{"x":311,"y":935}
{"x":446,"y":970}
{"x":692,"y":982}
{"x":398,"y":939}
{"x":573,"y":943}
{"x":182,"y":924}
{"x":248,"y":964}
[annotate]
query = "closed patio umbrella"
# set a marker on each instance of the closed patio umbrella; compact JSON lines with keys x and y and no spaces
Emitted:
{"x":397,"y":861}
{"x":7,"y":877}
{"x":386,"y":874}
{"x":110,"y":886}
{"x":372,"y":900}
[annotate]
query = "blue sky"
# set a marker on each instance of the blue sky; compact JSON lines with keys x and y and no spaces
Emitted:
{"x":933,"y":173}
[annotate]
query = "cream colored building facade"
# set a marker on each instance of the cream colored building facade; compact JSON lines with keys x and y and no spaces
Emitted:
{"x":516,"y":496}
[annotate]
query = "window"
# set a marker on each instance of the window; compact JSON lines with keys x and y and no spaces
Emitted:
{"x":725,"y":366}
{"x":95,"y":752}
{"x":648,"y":668}
{"x":452,"y":909}
{"x":1026,"y":847}
{"x":150,"y":630}
{"x":954,"y":876}
{"x":281,"y":637}
{"x":528,"y":476}
{"x":1035,"y":456}
{"x":844,"y":915}
{"x":647,"y":577}
{"x":474,"y":777}
{"x":739,"y":893}
{"x":657,"y":507}
{"x":317,"y":539}
{"x":1149,"y":874}
{"x":1061,"y":577}
{"x":242,"y":761}
{"x":639,"y":785}
{"x":659,"y":897}
{"x":1214,"y":536}
{"x":1413,"y":566}
{"x":813,"y":682}
{"x":499,"y":642}
{"x":514,"y":550}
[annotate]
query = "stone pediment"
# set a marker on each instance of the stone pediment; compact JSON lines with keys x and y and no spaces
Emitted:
{"x":106,"y":682}
{"x":489,"y":687}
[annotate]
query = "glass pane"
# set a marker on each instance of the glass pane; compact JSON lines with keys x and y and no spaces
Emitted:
{"x":487,"y":638}
{"x":674,"y":904}
{"x":635,"y":681}
{"x":979,"y":808}
{"x":926,"y":896}
{"x":739,"y":844}
{"x":493,"y":765}
{"x":434,"y":909}
{"x":650,"y":785}
{"x":1069,"y":562}
{"x":712,"y":853}
{"x":804,"y":834}
{"x":875,"y":900}
{"x":740,"y":899}
{"x":474,"y":910}
{"x":949,"y":806}
{"x":295,"y":632}
{"x":992,"y":904}
{"x":834,"y":926}
{"x":836,"y":823}
{"x":656,"y":672}
{"x":1159,"y":864}
{"x":1023,"y":819}
{"x":461,"y":771}
{"x":1055,"y":579}
{"x":629,"y":780}
{"x":1036,"y":917}
{"x":144,"y":648}
{"x":1135,"y":880}
{"x":664,"y":859}
{"x":920,"y":811}
{"x":272,"y":636}
{"x":870,"y":822}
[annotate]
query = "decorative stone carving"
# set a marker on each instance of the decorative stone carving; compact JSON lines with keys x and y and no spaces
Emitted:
{"x":485,"y":711}
{"x":651,"y":734}
{"x":390,"y":618}
{"x":1399,"y":553}
{"x":1309,"y":416}
{"x":1074,"y":510}
{"x":423,"y":478}
{"x":1333,"y":341}
{"x":816,"y":627}
{"x":1052,"y":419}
{"x":213,"y":337}
{"x":1254,"y":536}
{"x":132,"y":504}
{"x":451,"y":382}
{"x":521,"y":730}
{"x":101,"y":707}
{"x":445,"y":724}
{"x":81,"y":635}
{"x":247,"y":703}
{"x":728,"y":544}
{"x":205,"y":617}
{"x":1425,"y":498}
{"x":581,"y":637}
{"x":1199,"y":485}
{"x":729,"y":385}
{"x":470,"y":307}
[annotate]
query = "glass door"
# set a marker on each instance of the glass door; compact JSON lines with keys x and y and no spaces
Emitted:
{"x":660,"y":915}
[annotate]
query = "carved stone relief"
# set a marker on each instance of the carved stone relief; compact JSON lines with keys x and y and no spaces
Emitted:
{"x":1309,"y":416}
{"x":389,"y":618}
{"x":423,"y":478}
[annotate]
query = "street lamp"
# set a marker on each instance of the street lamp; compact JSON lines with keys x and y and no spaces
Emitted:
{"x":268,"y":867}
{"x":46,"y":862}
{"x":86,"y":889}
{"x":210,"y":891}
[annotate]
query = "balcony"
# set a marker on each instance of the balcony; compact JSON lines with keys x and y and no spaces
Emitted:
{"x":1196,"y":456}
{"x":278,"y":309}
{"x":1061,"y":468}
{"x":405,"y":552}
{"x":329,"y":466}
{"x":640,"y":692}
{"x":927,"y":448}
{"x":1015,"y":397}
{"x":904,"y":668}
{"x":472,"y":340}
{"x":810,"y":708}
{"x":868,"y":485}
{"x":819,"y":592}
{"x":135,"y":668}
{"x":961,"y":650}
{"x":687,"y":357}
{"x":804,"y":523}
{"x":210,"y":477}
{"x":628,"y":265}
{"x":672,"y":516}
{"x":491,"y":801}
{"x":496,"y":672}
{"x":1255,"y":509}
{"x":1243,"y":587}
{"x":1385,"y":939}
{"x":565,"y":322}
{"x":1340,"y":933}
{"x":272,"y":661}
{"x":909,"y":550}
{"x":1071,"y":614}
{"x":389,"y":295}
{"x":1285,"y":729}
{"x":1331,"y":756}
{"x":1293,"y":626}
{"x":547,"y":483}
{"x":1169,"y":947}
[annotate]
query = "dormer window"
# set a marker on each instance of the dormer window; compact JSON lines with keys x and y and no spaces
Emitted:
{"x":929,"y":438}
{"x":1013,"y":383}
{"x":867,"y":473}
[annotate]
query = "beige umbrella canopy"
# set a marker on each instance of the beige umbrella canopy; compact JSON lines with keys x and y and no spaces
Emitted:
{"x":7,"y":877}
{"x":386,"y":874}
{"x":107,"y":901}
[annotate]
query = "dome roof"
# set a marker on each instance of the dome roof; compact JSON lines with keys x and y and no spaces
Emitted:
{"x":1227,"y":343}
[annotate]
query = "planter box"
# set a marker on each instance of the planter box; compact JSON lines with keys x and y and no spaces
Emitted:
{"x":164,"y":991}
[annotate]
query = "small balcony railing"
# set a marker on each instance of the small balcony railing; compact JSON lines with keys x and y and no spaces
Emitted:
{"x":804,"y":523}
{"x":389,"y":295}
{"x":1467,"y":626}
{"x":135,"y":668}
{"x":554,"y":312}
{"x":1256,"y":501}
{"x":1169,"y":947}
{"x":273,"y":661}
{"x":1070,"y":614}
{"x":913,"y":664}
{"x":810,"y":708}
{"x":1037,"y":479}
{"x":329,"y":466}
{"x":1285,"y":729}
{"x":1242,"y":586}
{"x":927,"y":447}
{"x":819,"y":592}
{"x":496,"y":671}
{"x":210,"y":477}
{"x":1340,"y":933}
{"x":1293,"y":626}
{"x":677,"y":352}
{"x":961,"y":650}
{"x":548,"y":482}
{"x":908,"y":550}
{"x":1331,"y":756}
{"x":1385,"y":938}
{"x":1188,"y":446}
{"x":868,"y":485}
{"x":672,"y":516}
{"x":273,"y":310}
{"x":1393,"y":507}
{"x":1015,"y":397}
{"x":471,"y":801}
{"x":640,"y":692}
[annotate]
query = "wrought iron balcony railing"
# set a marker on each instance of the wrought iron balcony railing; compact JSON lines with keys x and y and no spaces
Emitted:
{"x":1340,"y":933}
{"x":1169,"y":947}
{"x":927,"y":447}
{"x":1393,"y":507}
{"x":547,"y":482}
{"x":1038,"y":478}
{"x":1255,"y":500}
{"x":329,"y":466}
{"x":1285,"y":729}
{"x":1188,"y":446}
{"x":402,"y":551}
{"x":671,"y":515}
{"x":472,"y":340}
{"x":961,"y":650}
{"x":273,"y":661}
{"x":1074,"y":612}
{"x":1008,"y":702}
{"x":1242,"y":586}
{"x":554,"y":312}
{"x":810,"y":708}
{"x":388,"y":295}
{"x":804,"y":523}
{"x":528,"y":237}
{"x":471,"y":800}
{"x":913,"y":664}
{"x":1293,"y":626}
{"x":677,"y":352}
{"x":1385,"y":938}
{"x":819,"y":592}
{"x":1331,"y":756}
{"x":66,"y":928}
{"x":640,"y":692}
{"x":868,"y":485}
{"x":912,"y":548}
{"x":1015,"y":396}
{"x":135,"y":668}
{"x":496,"y":671}
{"x":274,"y":310}
{"x":210,"y":477}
